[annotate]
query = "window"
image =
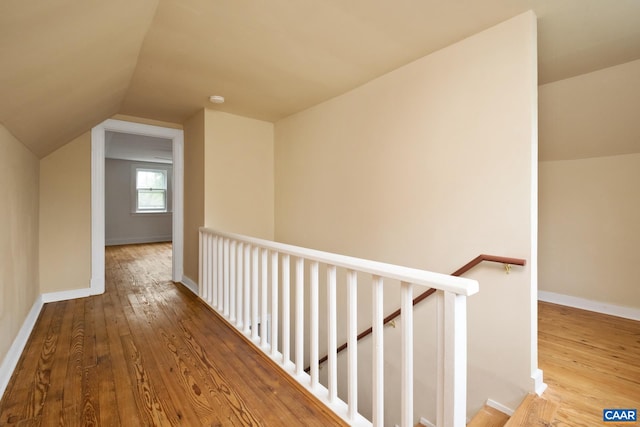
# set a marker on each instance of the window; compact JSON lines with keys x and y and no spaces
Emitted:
{"x":151,"y":190}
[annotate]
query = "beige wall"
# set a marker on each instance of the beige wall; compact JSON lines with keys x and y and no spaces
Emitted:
{"x":19,"y":170}
{"x":193,"y":191}
{"x":590,"y":228}
{"x":239,"y":192}
{"x":589,"y":202}
{"x":65,"y":217}
{"x":429,"y":166}
{"x":591,"y":115}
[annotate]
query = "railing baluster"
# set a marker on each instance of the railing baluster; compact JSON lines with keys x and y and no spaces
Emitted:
{"x":332,"y":335}
{"x":263,"y":299}
{"x":378,"y":353}
{"x":247,"y":289}
{"x":213,"y":272}
{"x":211,"y":268}
{"x":274,"y":303}
{"x":232,"y":281}
{"x":352,"y":342}
{"x":406,"y":307}
{"x":202,"y":256}
{"x":207,"y":265}
{"x":299,"y":339}
{"x":254,"y":293}
{"x":220,"y":273}
{"x":239,"y":285}
{"x":440,"y":359}
{"x":313,"y":323}
{"x":225,"y":305}
{"x":286,"y":310}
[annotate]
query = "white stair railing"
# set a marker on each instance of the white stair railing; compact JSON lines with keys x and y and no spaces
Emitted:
{"x":234,"y":281}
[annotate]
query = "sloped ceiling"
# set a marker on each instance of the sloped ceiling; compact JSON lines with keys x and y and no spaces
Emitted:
{"x":69,"y":64}
{"x":66,"y":65}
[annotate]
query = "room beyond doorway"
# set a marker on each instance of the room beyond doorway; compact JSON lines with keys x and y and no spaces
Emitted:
{"x":138,"y":189}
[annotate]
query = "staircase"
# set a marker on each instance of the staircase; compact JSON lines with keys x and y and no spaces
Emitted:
{"x":534,"y":411}
{"x":242,"y":279}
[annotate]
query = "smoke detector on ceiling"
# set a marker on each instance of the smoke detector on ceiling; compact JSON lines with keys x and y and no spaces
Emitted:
{"x":216,"y":99}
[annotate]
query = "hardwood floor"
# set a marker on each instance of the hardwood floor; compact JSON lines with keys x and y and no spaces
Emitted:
{"x":147,"y":352}
{"x":590,"y":361}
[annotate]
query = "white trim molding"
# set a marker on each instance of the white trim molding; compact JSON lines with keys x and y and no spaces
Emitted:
{"x":12,"y":357}
{"x":66,"y":295}
{"x":97,"y":209}
{"x":425,"y":422}
{"x":499,"y":407}
{"x":177,"y":203}
{"x":135,"y":240}
{"x":190,"y":284}
{"x":539,"y":386}
{"x":97,"y":193}
{"x":590,"y":305}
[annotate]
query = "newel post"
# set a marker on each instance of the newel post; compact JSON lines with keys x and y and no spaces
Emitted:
{"x":452,"y":359}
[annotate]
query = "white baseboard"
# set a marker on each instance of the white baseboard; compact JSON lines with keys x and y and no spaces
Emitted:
{"x":585,"y":304}
{"x":66,"y":295}
{"x":538,"y":384}
{"x":134,"y":240}
{"x":426,"y":422}
{"x":10,"y":360}
{"x":500,"y":407}
{"x":190,"y":284}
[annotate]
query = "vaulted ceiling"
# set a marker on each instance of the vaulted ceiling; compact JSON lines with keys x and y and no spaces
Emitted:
{"x":66,"y":65}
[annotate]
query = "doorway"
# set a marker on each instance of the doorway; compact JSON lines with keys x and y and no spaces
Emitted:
{"x":98,"y":143}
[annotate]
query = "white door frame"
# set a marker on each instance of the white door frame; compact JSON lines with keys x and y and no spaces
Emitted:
{"x":97,"y":194}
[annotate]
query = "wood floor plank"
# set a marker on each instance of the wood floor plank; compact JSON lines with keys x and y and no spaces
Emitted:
{"x":534,"y":411}
{"x":109,"y":414}
{"x":116,"y":327}
{"x":488,"y":417}
{"x":63,"y":390}
{"x":90,"y":406}
{"x":89,"y":343}
{"x":72,"y":395}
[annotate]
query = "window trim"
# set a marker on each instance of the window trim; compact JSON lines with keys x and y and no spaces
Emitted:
{"x":164,"y":169}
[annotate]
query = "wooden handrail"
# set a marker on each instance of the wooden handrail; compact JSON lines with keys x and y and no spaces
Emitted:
{"x":459,"y":272}
{"x":491,"y":258}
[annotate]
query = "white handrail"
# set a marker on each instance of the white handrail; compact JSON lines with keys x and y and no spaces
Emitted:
{"x":235,"y":282}
{"x":444,"y":282}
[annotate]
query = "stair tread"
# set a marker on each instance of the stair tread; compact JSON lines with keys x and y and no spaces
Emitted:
{"x":488,"y":417}
{"x":533,"y":411}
